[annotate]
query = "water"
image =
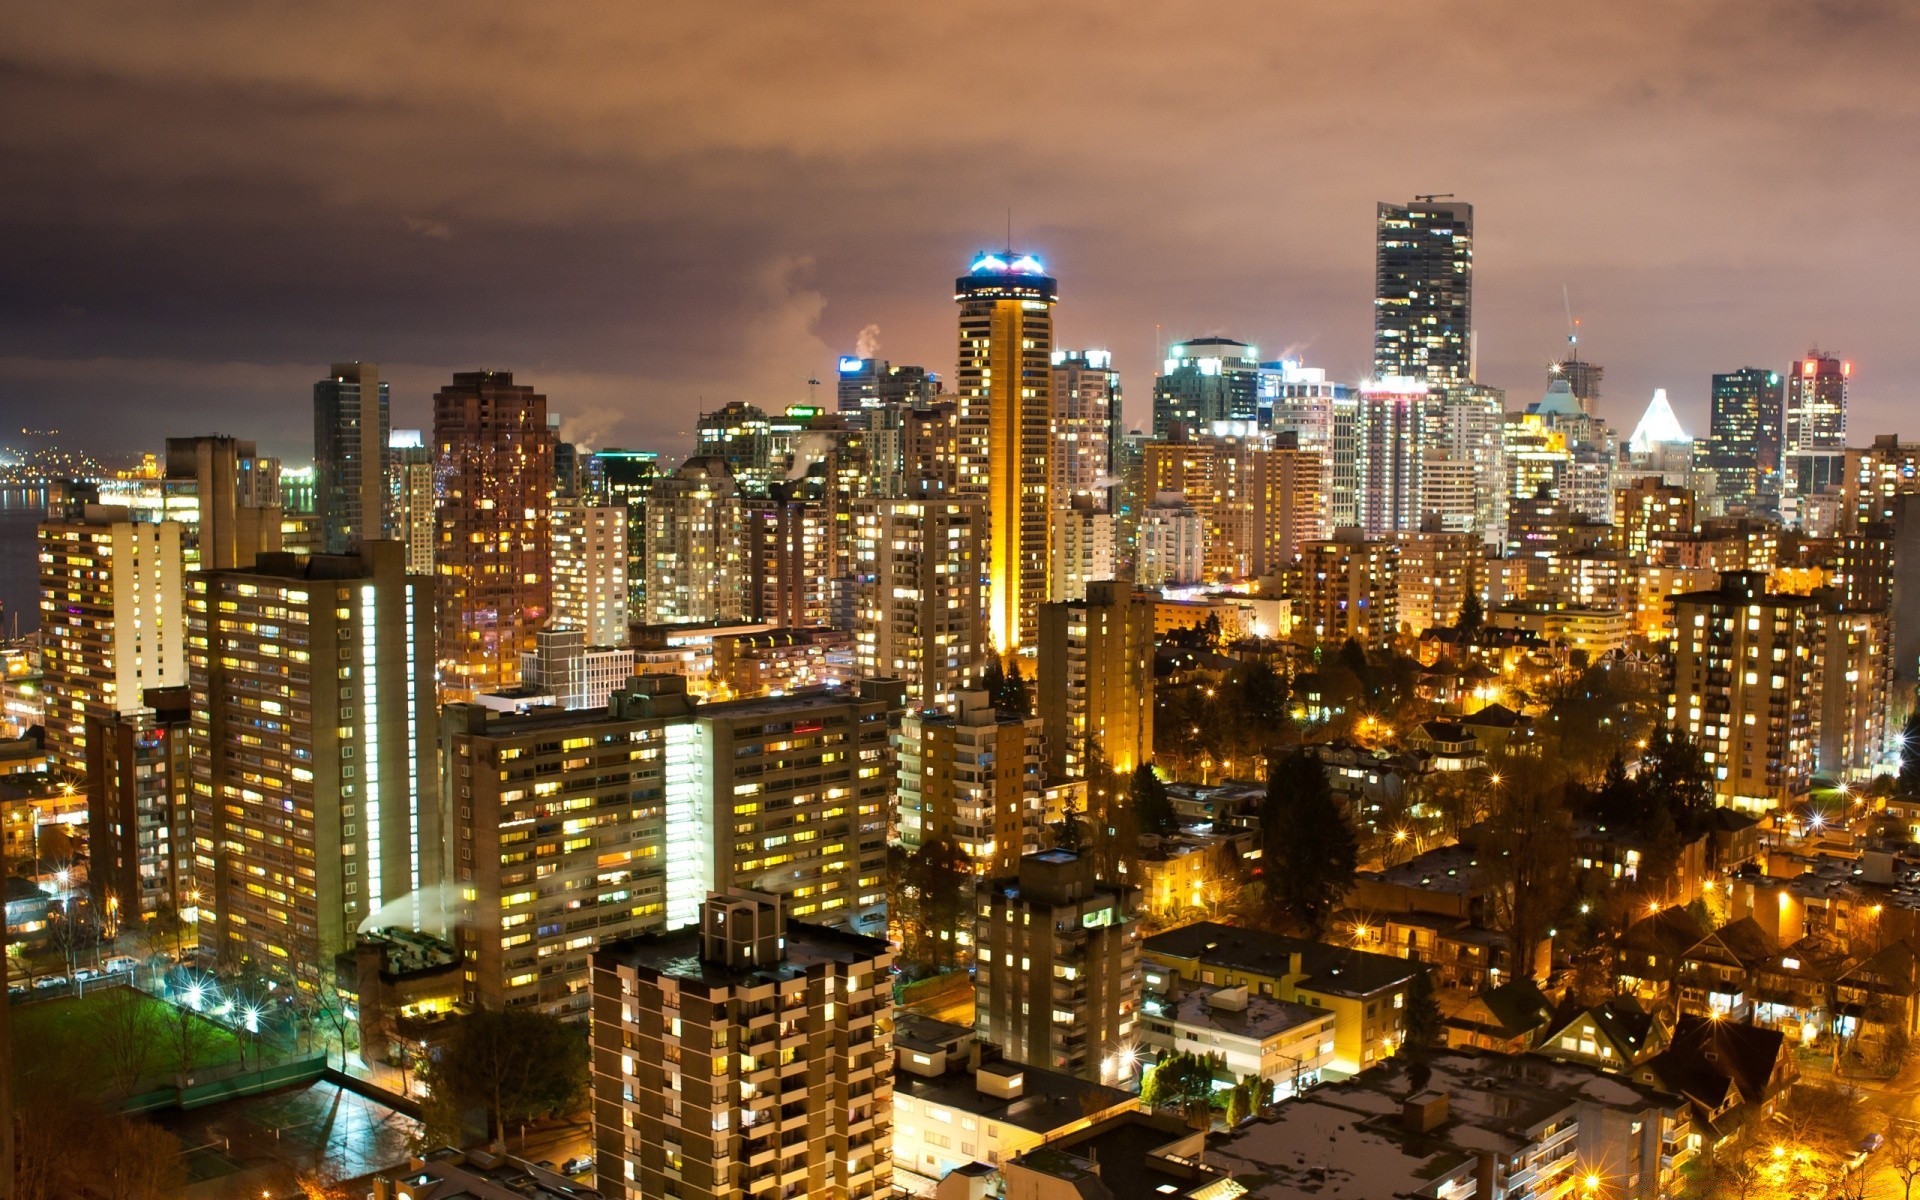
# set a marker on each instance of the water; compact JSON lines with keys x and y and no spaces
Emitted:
{"x":21,"y":510}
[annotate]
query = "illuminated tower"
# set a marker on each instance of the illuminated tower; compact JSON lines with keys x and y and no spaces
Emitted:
{"x":1005,"y":404}
{"x":1743,"y":439}
{"x":1815,"y":428}
{"x":1086,"y":423}
{"x":494,"y":476}
{"x":1423,"y":292}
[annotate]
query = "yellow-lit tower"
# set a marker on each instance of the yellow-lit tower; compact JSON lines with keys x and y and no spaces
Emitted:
{"x":1005,"y":398}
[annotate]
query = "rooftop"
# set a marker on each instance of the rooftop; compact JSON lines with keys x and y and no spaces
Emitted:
{"x":1047,"y":1099}
{"x":676,"y":955}
{"x":1258,"y":1017}
{"x":1335,"y":970}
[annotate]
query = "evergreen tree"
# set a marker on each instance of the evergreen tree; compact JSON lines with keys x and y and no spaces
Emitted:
{"x":1263,"y":702}
{"x":993,"y":680}
{"x":1310,"y":853}
{"x":1016,"y":697}
{"x":1674,"y":775}
{"x":1152,"y":807}
{"x":1424,"y":1033}
{"x":1471,"y":614}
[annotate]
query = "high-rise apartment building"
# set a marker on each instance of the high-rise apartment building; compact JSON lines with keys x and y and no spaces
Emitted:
{"x":1423,"y":292}
{"x":790,"y":568}
{"x":1259,"y":495}
{"x":1436,"y":570}
{"x":930,"y":452}
{"x":1083,"y":548}
{"x":1744,"y":439}
{"x":1086,"y":424}
{"x":1325,"y":421}
{"x":1646,"y":511}
{"x":1814,"y":429}
{"x":1347,"y":587}
{"x":412,"y":516}
{"x":1877,"y":476}
{"x":696,"y":545}
{"x":788,"y":794}
{"x":1005,"y":393}
{"x":1206,"y":380}
{"x":920,"y":611}
{"x":314,"y":766}
{"x":139,"y":808}
{"x":560,"y":828}
{"x":590,"y":570}
{"x":1856,"y":689}
{"x":972,"y":777}
{"x":1397,"y":422}
{"x":1171,"y":547}
{"x":1057,"y":980}
{"x":494,"y":471}
{"x":742,"y":436}
{"x":1471,"y":429}
{"x":1747,"y":676}
{"x":112,"y":623}
{"x":227,"y":498}
{"x":350,"y":432}
{"x":744,"y":1056}
{"x":625,"y":477}
{"x":1096,"y":680}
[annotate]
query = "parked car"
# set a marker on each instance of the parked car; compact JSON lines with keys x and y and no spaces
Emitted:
{"x":50,"y":981}
{"x":120,"y":964}
{"x":89,"y":974}
{"x":578,"y":1165}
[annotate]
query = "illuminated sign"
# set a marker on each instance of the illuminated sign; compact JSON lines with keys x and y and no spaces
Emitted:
{"x":850,"y":365}
{"x":989,"y":263}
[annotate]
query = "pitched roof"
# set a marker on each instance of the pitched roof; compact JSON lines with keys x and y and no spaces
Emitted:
{"x":1619,"y":1019}
{"x":1706,"y":1057}
{"x":1671,"y":931}
{"x":1741,"y":943}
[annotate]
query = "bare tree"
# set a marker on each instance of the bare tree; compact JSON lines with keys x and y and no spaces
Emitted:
{"x":1903,"y":1155}
{"x":123,"y":1035}
{"x":188,"y":1038}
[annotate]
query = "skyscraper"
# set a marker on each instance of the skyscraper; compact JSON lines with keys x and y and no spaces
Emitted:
{"x":1086,"y":423}
{"x":412,"y":516}
{"x":313,"y":756}
{"x":1583,"y":379}
{"x":1744,"y":439}
{"x":789,"y":556}
{"x":742,"y":435}
{"x":140,"y":807}
{"x":869,"y":383}
{"x":972,"y":777}
{"x":1397,"y":422}
{"x":494,"y":468}
{"x":1206,"y":380}
{"x":1423,"y":291}
{"x":1814,"y":430}
{"x":1005,"y":398}
{"x":350,"y":429}
{"x":1325,"y":417}
{"x":625,"y":477}
{"x":111,"y":622}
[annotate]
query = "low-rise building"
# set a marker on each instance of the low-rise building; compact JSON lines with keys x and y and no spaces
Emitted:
{"x":1284,"y":1043}
{"x":953,"y":1105}
{"x":1366,"y":993}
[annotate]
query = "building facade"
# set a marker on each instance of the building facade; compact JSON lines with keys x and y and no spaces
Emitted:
{"x":350,"y":432}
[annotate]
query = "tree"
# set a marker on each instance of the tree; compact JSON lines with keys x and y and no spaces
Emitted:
{"x":123,"y":1033}
{"x":1529,"y":851}
{"x":1903,"y":1155}
{"x":1471,"y":614}
{"x":137,"y":1160}
{"x":1309,"y":851}
{"x":930,"y":896}
{"x":1152,"y":807}
{"x":1182,"y":1082}
{"x":1263,"y":702}
{"x":188,"y":1037}
{"x":514,"y":1065}
{"x":1674,"y":775}
{"x":1424,"y":1030}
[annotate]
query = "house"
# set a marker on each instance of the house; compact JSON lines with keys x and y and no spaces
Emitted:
{"x":1439,"y":907}
{"x":1734,"y":839}
{"x":1185,"y":871}
{"x":1881,"y":995}
{"x":1795,"y":990}
{"x":1500,"y":730}
{"x":1615,"y":1034}
{"x":1450,"y":746}
{"x":1614,"y":854}
{"x":1366,"y":993}
{"x":1716,"y":973}
{"x":1731,"y":1072}
{"x":1509,"y":1019}
{"x":1650,"y":953}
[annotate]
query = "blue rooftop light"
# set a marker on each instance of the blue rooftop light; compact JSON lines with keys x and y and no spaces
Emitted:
{"x":989,"y":263}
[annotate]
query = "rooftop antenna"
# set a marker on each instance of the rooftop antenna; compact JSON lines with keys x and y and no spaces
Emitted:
{"x":1573,"y":326}
{"x":1430,"y":198}
{"x":1009,"y":231}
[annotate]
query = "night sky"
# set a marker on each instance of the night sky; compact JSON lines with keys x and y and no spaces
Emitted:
{"x":646,"y":208}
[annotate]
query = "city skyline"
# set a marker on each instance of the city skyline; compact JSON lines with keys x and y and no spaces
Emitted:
{"x":1626,"y":184}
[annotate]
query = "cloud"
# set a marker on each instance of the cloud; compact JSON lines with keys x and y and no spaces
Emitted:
{"x":439,"y":231}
